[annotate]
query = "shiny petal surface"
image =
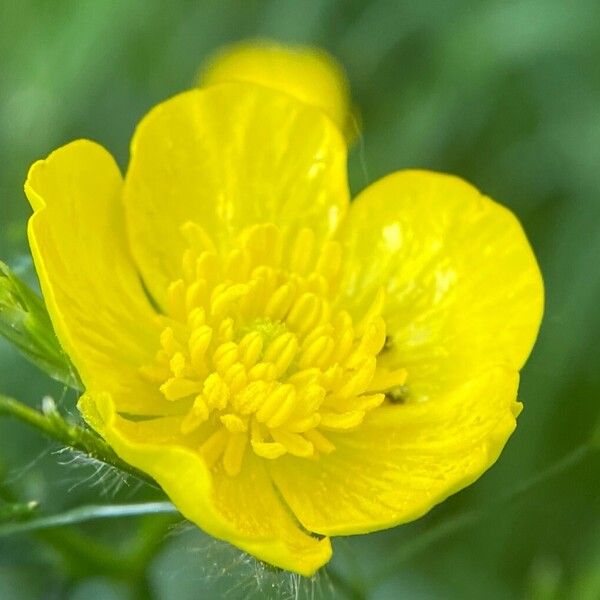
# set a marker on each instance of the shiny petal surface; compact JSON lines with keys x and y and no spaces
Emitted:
{"x":308,"y":74}
{"x":244,"y":510}
{"x":462,"y":286}
{"x":226,"y":157}
{"x":93,"y":293}
{"x":403,"y":460}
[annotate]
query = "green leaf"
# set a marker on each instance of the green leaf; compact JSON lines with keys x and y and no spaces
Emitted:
{"x":25,"y":323}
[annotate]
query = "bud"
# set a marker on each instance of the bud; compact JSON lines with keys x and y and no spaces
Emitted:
{"x":308,"y":74}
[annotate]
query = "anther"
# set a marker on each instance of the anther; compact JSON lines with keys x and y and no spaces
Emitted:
{"x":295,"y":443}
{"x":234,"y":453}
{"x":178,"y":388}
{"x":302,"y":250}
{"x":250,"y":348}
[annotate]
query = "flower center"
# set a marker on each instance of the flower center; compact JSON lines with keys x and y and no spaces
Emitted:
{"x":257,"y":348}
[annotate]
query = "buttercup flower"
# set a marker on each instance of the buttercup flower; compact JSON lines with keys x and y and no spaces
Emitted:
{"x":286,"y":365}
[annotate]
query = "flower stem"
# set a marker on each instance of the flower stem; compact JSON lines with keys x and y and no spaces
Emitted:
{"x":53,"y":425}
{"x":82,"y":514}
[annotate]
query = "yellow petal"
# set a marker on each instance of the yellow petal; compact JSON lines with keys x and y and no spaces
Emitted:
{"x":98,"y":308}
{"x":308,"y":74}
{"x":244,"y":510}
{"x":462,"y":286}
{"x":227,"y":157}
{"x":403,"y":459}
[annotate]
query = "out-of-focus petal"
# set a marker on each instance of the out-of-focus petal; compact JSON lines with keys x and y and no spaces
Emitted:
{"x":309,"y":74}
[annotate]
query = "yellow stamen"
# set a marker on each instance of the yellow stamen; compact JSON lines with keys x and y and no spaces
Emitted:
{"x":319,"y":441}
{"x":177,"y":388}
{"x":294,"y":443}
{"x":302,"y":251}
{"x":234,"y":453}
{"x":255,"y":346}
{"x":348,"y":420}
{"x":270,"y":450}
{"x":234,"y":424}
{"x":213,"y":447}
{"x":251,"y":347}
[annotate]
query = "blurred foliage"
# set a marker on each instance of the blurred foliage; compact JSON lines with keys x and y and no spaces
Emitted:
{"x":503,"y":93}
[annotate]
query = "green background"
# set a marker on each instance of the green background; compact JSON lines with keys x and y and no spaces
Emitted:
{"x":504,"y":94}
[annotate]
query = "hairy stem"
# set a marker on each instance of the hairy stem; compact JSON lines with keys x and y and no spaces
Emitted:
{"x":82,"y":514}
{"x":54,"y":426}
{"x":84,"y":556}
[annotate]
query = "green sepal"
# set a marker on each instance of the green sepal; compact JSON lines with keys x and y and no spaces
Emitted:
{"x":25,"y":323}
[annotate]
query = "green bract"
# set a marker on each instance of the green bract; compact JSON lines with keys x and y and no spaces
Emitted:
{"x":24,"y":322}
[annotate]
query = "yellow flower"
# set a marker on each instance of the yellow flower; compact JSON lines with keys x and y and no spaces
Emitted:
{"x":283,"y":363}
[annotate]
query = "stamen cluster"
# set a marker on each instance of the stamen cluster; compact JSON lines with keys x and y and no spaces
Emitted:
{"x":257,"y":352}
